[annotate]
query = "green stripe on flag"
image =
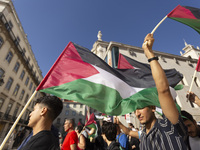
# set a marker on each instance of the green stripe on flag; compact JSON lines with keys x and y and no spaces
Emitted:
{"x":103,"y":98}
{"x":193,"y":23}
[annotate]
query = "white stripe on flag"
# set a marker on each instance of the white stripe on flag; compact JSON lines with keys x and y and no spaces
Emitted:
{"x":109,"y":80}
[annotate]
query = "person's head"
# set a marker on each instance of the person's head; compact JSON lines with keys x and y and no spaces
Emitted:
{"x":69,"y":124}
{"x":78,"y":128}
{"x":146,"y":115}
{"x":109,"y":131}
{"x":47,"y":108}
{"x":190,"y":123}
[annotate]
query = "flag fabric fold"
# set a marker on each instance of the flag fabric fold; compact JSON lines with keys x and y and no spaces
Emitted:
{"x":139,"y":74}
{"x":186,"y":15}
{"x":198,"y":66}
{"x":80,"y":75}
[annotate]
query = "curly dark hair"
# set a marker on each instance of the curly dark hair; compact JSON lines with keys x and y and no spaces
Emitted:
{"x":110,"y":130}
{"x":53,"y":104}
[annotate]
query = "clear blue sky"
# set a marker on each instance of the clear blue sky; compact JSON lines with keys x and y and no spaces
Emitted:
{"x":51,"y":25}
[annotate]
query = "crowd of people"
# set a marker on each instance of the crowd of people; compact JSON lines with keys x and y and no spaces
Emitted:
{"x":175,"y":130}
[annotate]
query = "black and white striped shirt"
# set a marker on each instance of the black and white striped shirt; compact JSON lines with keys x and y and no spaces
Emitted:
{"x":165,"y":136}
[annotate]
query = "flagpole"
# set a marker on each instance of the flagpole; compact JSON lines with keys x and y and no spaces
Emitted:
{"x":17,"y":120}
{"x":192,"y":83}
{"x":152,"y":32}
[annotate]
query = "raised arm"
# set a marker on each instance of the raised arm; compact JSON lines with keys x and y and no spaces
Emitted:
{"x":165,"y":98}
{"x":126,"y":130}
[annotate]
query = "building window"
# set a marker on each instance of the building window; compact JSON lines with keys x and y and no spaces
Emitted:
{"x":33,"y":104}
{"x":9,"y":84}
{"x":23,"y":52}
{"x":67,"y":106}
{"x":1,"y":102}
{"x":73,"y":113}
{"x":27,"y":80}
{"x":26,"y":115}
{"x":115,"y":56}
{"x":9,"y":57}
{"x":1,"y":41}
{"x":16,"y":90}
{"x":10,"y":24}
{"x":80,"y":113}
{"x":1,"y":73}
{"x":16,"y":111}
{"x":30,"y":86}
{"x":16,"y":68}
{"x":21,"y":95}
{"x":74,"y":106}
{"x":81,"y":105}
{"x":26,"y":99}
{"x":28,"y":60}
{"x":196,"y":81}
{"x":67,"y":112}
{"x":8,"y":109}
{"x":34,"y":89}
{"x":22,"y":75}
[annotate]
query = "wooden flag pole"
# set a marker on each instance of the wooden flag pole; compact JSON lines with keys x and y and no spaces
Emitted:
{"x":152,"y":32}
{"x":16,"y":121}
{"x":156,"y":27}
{"x":192,"y":83}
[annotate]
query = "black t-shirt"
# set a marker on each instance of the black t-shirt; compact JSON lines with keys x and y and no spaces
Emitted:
{"x":44,"y":140}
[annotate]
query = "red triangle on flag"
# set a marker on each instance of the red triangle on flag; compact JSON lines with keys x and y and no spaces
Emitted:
{"x":123,"y":63}
{"x":91,"y":120}
{"x":68,"y":67}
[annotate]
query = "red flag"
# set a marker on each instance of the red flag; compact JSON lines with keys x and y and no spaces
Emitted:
{"x":198,"y":66}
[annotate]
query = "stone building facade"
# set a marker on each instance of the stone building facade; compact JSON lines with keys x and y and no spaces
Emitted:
{"x":19,"y":70}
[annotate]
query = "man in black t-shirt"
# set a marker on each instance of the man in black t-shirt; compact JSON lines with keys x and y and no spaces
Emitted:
{"x":45,"y":111}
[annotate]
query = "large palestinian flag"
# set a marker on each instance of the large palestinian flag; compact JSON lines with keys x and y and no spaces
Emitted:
{"x":80,"y":75}
{"x":135,"y":71}
{"x":187,"y":15}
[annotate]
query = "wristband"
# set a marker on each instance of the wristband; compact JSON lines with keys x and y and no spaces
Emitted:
{"x":153,"y":58}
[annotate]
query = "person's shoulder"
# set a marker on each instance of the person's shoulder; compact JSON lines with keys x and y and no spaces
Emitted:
{"x":114,"y":146}
{"x":46,"y":137}
{"x":123,"y":136}
{"x":42,"y":140}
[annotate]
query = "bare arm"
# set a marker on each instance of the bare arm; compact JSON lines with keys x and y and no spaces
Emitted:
{"x":166,"y":101}
{"x":81,"y":143}
{"x":126,"y":130}
{"x":73,"y":147}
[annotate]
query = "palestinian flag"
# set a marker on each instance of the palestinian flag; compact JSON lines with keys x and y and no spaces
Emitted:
{"x":80,"y":75}
{"x":137,"y":71}
{"x":91,"y":125}
{"x":198,"y":66}
{"x":187,"y":15}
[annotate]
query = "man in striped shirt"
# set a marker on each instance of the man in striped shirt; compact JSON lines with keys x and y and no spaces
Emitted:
{"x":168,"y":133}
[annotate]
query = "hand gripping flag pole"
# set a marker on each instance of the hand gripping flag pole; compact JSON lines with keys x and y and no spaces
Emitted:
{"x":17,"y":120}
{"x":197,"y":69}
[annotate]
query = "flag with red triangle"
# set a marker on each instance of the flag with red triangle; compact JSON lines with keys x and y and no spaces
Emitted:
{"x":80,"y":75}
